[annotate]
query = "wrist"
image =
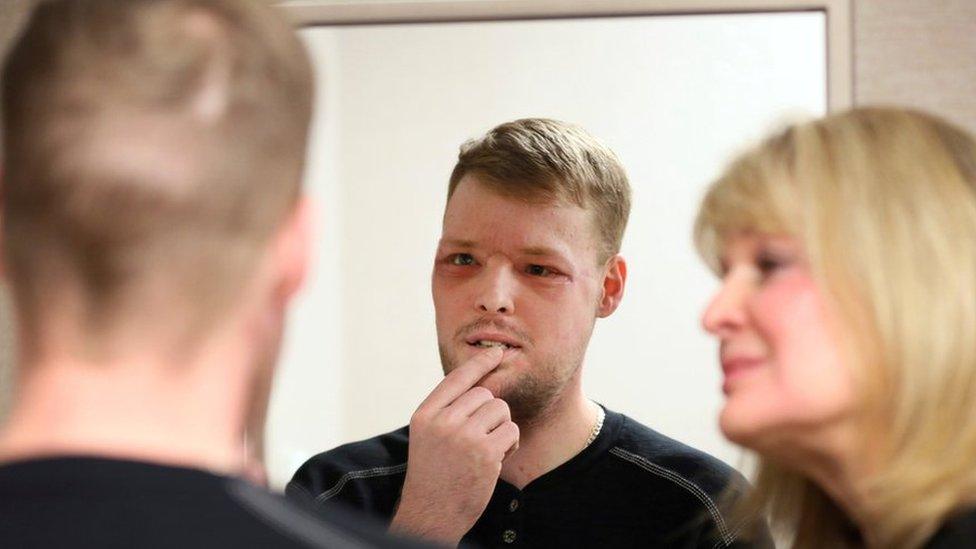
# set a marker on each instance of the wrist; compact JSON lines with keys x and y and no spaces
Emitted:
{"x":421,"y":520}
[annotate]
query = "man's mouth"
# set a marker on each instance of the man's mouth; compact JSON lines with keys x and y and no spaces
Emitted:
{"x":488,"y":340}
{"x":487,"y":344}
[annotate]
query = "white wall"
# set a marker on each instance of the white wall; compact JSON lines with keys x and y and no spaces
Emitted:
{"x":674,"y":96}
{"x":306,"y":406}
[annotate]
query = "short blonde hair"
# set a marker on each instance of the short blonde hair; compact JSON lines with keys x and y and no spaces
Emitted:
{"x":539,"y":159}
{"x":148,"y":143}
{"x":884,"y":202}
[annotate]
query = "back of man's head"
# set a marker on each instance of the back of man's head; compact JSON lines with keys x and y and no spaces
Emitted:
{"x":151,"y":149}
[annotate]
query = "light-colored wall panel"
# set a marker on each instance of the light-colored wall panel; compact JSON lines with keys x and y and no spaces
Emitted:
{"x":920,"y":53}
{"x":12,"y":16}
{"x":7,"y":352}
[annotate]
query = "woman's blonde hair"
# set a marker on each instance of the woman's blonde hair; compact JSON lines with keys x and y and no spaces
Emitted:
{"x":884,"y":202}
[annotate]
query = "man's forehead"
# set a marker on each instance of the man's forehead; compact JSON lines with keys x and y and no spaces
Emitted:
{"x":477,"y":215}
{"x":474,"y":201}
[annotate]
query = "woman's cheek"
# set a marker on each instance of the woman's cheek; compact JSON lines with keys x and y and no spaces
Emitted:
{"x":791,"y":315}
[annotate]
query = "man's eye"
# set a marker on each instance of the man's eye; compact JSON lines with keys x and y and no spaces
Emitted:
{"x":461,"y":259}
{"x":538,"y":270}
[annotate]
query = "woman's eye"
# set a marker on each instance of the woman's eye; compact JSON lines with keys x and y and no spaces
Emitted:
{"x":538,"y":270}
{"x":461,"y":259}
{"x":769,"y":264}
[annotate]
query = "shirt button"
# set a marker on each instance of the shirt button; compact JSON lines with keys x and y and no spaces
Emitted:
{"x":513,"y":505}
{"x":508,"y":536}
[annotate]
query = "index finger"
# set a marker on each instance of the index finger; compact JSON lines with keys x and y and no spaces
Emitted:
{"x":463,"y":378}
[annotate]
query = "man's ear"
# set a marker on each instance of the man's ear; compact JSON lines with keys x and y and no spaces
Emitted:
{"x":614,"y":280}
{"x":293,"y":248}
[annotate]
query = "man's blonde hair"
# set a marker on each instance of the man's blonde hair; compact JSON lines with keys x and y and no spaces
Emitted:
{"x":537,"y":159}
{"x":151,"y":146}
{"x":884,"y":203}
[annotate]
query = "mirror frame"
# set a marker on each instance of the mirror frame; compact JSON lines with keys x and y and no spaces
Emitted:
{"x":840,"y":87}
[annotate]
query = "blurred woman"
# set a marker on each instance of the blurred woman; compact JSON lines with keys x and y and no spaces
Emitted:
{"x":847,"y":325}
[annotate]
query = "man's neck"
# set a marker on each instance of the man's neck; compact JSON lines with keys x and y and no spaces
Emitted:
{"x":558,"y":435}
{"x":163,"y":413}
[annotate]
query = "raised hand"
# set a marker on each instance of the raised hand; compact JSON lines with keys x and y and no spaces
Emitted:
{"x":459,"y":436}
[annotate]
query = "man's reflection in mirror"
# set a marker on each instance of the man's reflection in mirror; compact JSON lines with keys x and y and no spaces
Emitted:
{"x":508,"y":448}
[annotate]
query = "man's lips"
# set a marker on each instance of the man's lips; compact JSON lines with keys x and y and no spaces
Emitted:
{"x":483,"y":339}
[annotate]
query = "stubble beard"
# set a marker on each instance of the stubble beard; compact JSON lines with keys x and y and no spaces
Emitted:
{"x":531,"y":395}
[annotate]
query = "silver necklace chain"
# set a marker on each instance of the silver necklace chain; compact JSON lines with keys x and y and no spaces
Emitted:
{"x":597,"y":427}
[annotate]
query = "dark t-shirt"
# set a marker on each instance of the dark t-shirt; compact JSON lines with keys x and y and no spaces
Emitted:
{"x":956,"y":532}
{"x":632,"y":487}
{"x":86,"y":502}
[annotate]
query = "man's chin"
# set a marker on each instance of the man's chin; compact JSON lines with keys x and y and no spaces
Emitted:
{"x":498,"y":381}
{"x":528,"y":386}
{"x":526,"y":396}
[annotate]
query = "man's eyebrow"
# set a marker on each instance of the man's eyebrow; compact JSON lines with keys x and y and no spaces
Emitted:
{"x":534,"y":251}
{"x":541,"y":251}
{"x":458,"y":243}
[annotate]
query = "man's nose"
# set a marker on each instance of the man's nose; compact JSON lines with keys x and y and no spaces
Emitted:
{"x":496,"y":294}
{"x":726,"y":312}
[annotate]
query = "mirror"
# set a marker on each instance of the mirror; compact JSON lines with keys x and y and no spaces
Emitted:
{"x":674,"y":95}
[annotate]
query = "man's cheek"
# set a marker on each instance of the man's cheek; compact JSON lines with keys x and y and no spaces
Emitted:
{"x":565,"y":332}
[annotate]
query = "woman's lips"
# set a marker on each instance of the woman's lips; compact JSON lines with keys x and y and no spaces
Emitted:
{"x":737,"y":367}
